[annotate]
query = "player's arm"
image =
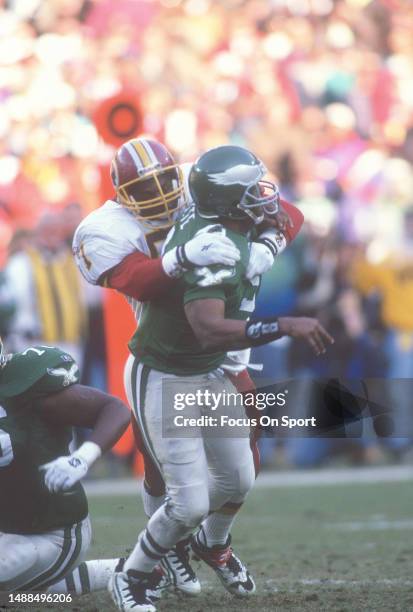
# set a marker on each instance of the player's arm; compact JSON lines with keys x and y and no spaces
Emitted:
{"x":288,"y":220}
{"x":275,"y":234}
{"x":144,"y":278}
{"x":81,"y":406}
{"x":138,"y":276}
{"x":214,"y":332}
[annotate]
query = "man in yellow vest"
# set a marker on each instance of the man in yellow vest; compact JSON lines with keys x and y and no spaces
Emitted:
{"x":48,"y":291}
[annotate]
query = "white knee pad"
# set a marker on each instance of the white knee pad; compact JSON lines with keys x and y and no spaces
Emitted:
{"x":17,"y":556}
{"x":245,"y":478}
{"x":235,"y":486}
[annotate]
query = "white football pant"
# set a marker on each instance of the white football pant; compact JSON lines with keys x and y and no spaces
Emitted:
{"x":200,"y":473}
{"x":33,"y":562}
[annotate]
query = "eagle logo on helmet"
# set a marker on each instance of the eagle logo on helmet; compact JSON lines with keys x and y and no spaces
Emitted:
{"x":69,"y":376}
{"x":240,"y":174}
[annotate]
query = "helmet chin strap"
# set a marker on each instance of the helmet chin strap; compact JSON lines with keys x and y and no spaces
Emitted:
{"x":256,"y":219}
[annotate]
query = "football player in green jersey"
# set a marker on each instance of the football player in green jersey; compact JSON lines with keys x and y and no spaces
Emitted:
{"x":185,"y":340}
{"x":44,"y":524}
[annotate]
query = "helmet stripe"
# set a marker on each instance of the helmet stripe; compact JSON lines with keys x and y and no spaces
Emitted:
{"x":136,"y":158}
{"x":148,"y":148}
{"x":142,"y":152}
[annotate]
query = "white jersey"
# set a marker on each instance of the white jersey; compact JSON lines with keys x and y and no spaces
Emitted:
{"x":108,"y":234}
{"x":105,"y":237}
{"x":111,"y":232}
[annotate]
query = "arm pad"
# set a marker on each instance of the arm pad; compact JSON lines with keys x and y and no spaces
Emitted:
{"x":262,"y":331}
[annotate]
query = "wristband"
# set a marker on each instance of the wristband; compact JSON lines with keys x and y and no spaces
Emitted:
{"x":262,"y":331}
{"x":269,"y":244}
{"x":183,"y":260}
{"x":171,"y":265}
{"x":268,"y":238}
{"x":89,"y":452}
{"x":274,"y":240}
{"x":175,"y":262}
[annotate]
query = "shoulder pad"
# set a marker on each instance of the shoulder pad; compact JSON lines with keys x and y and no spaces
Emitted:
{"x":104,"y":238}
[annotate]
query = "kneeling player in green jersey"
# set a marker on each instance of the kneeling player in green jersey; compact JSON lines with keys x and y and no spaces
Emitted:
{"x":44,"y":524}
{"x":182,"y":342}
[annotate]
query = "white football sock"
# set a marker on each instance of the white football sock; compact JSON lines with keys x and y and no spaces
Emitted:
{"x":215,"y":529}
{"x":87,"y":577}
{"x":161,"y":534}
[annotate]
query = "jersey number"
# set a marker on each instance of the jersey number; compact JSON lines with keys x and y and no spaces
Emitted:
{"x":207,"y":277}
{"x":6,"y":450}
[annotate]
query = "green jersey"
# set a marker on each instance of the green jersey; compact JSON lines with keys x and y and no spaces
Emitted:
{"x":27,"y":441}
{"x":164,"y":339}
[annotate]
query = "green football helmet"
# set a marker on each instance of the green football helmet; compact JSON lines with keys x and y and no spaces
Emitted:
{"x":227,"y":182}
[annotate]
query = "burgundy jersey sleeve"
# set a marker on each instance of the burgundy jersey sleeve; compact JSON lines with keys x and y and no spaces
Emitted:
{"x":138,"y":276}
{"x":296,"y":217}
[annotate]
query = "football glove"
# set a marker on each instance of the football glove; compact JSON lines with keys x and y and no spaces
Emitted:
{"x":204,"y":249}
{"x":64,"y":472}
{"x":263,"y":252}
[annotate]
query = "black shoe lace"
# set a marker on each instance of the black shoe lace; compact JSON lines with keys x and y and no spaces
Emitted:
{"x":139,"y":585}
{"x":137,"y":590}
{"x":181,"y":552}
{"x":233,"y":564}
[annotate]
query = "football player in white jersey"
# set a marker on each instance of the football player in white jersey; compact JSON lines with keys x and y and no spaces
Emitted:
{"x":119,"y":246}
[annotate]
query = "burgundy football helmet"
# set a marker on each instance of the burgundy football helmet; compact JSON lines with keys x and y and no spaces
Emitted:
{"x":147,"y":180}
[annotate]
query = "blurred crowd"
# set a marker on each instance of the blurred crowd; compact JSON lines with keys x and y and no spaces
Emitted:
{"x":321,"y":90}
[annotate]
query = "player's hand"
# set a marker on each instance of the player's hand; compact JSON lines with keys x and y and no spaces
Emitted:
{"x":211,"y":248}
{"x":205,"y":249}
{"x":263,"y":252}
{"x":62,"y":473}
{"x":279,"y":221}
{"x":261,"y":260}
{"x":307,"y":329}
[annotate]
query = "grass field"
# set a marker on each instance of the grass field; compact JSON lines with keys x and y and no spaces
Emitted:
{"x":341,"y":548}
